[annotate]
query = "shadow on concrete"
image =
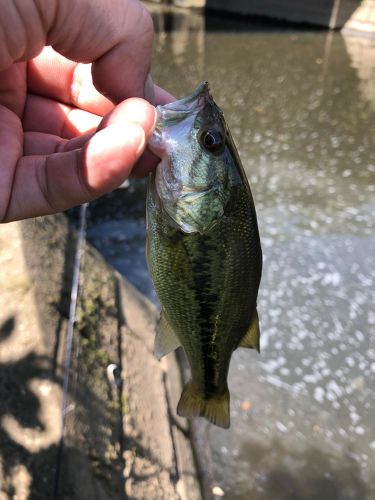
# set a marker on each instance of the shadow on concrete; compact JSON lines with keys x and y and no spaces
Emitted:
{"x":7,"y":327}
{"x":91,"y":464}
{"x":19,"y":402}
{"x":80,"y":465}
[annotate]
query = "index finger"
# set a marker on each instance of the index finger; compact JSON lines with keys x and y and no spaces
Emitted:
{"x":115,"y":35}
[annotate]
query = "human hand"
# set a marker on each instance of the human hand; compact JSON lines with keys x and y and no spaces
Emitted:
{"x":64,"y":137}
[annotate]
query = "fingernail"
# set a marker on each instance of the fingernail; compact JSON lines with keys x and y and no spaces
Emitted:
{"x":149,"y":89}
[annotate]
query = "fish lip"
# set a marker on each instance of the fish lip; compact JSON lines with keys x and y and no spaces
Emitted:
{"x":201,"y":92}
{"x":155,"y":142}
{"x":177,"y":110}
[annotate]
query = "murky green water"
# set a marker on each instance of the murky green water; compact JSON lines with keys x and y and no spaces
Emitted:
{"x":301,"y":107}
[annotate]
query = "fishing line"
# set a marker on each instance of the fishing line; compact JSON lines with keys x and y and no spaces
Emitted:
{"x":68,"y":352}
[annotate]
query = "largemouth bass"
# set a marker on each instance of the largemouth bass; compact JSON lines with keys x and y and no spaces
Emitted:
{"x":203,"y":249}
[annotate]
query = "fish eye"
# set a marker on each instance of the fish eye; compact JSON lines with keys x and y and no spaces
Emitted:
{"x":212,"y":140}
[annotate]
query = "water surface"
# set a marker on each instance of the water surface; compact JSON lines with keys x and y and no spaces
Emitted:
{"x":301,"y":107}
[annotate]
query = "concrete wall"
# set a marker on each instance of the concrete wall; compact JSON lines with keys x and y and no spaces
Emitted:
{"x":328,"y":13}
{"x":360,"y":14}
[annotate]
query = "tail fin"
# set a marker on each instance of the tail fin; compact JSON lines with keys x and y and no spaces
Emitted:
{"x":215,"y":409}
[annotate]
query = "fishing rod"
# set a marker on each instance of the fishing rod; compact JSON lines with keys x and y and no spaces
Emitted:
{"x":68,"y":351}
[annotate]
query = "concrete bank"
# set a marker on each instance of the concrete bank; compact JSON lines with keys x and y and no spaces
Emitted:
{"x":353,"y":16}
{"x":327,"y":13}
{"x":122,"y":437}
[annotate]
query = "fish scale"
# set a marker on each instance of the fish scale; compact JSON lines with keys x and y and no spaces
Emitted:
{"x":206,"y":276}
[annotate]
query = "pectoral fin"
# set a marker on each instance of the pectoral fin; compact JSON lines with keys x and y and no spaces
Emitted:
{"x":165,"y":340}
{"x":251,"y":337}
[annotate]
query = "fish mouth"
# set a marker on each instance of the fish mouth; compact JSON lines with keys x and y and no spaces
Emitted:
{"x":177,"y":111}
{"x":202,"y":92}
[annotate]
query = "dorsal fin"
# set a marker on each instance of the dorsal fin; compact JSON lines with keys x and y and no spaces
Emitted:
{"x":251,"y":337}
{"x":166,"y":340}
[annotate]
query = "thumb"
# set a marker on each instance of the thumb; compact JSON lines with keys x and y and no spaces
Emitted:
{"x":111,"y":154}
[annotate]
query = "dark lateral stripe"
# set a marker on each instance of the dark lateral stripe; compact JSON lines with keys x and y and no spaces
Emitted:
{"x":207,"y":301}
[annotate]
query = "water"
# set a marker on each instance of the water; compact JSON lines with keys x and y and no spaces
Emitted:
{"x":301,"y":107}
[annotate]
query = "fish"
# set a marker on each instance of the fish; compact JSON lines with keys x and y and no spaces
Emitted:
{"x":203,"y":249}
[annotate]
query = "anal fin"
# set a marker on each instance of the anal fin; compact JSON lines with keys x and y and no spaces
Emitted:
{"x":166,"y":340}
{"x":252,"y":336}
